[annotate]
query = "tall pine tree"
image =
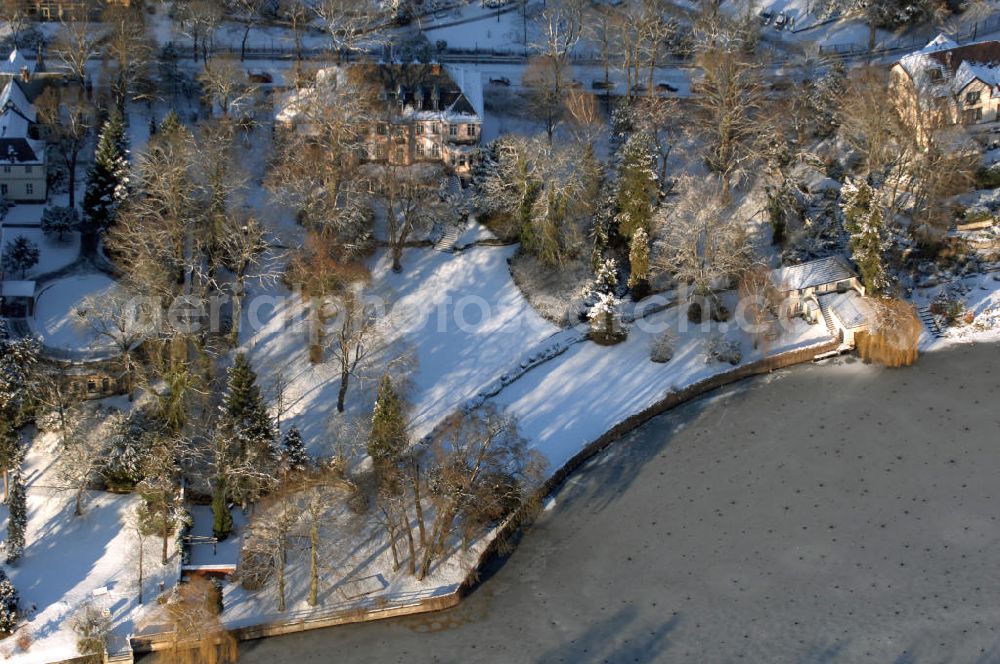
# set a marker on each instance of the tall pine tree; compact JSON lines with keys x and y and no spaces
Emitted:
{"x":17,"y":520}
{"x":248,"y":454}
{"x":864,"y":223}
{"x":388,"y":437}
{"x":9,"y":599}
{"x":637,"y":185}
{"x":107,"y":181}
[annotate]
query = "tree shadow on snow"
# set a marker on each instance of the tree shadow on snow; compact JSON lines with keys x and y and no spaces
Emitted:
{"x":618,"y":638}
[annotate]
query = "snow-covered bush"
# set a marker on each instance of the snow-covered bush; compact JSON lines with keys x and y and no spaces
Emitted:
{"x":8,"y":604}
{"x":720,"y":349}
{"x":59,"y":221}
{"x":126,"y":449}
{"x":662,"y":349}
{"x":606,"y":277}
{"x":606,"y":322}
{"x":92,"y":628}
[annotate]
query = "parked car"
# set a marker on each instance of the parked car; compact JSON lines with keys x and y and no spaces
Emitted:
{"x":779,"y":21}
{"x":602,"y":85}
{"x":665,"y":87}
{"x":500,"y":80}
{"x":765,"y":17}
{"x":259,"y":77}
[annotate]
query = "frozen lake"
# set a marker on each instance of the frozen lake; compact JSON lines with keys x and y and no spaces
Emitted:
{"x":827,"y":513}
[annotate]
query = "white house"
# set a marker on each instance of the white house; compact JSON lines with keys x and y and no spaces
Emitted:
{"x":22,"y":158}
{"x":800,"y":285}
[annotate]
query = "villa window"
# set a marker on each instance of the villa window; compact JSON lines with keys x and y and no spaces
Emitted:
{"x":434,"y":129}
{"x":29,"y":189}
{"x":3,"y":189}
{"x":27,"y":169}
{"x":420,"y":130}
{"x":470,"y":130}
{"x":436,"y":151}
{"x":972,"y":98}
{"x":453,"y":130}
{"x":381,"y":129}
{"x":6,"y":169}
{"x":972,"y":116}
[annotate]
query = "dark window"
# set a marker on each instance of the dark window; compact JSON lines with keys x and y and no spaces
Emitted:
{"x":380,"y":129}
{"x":470,"y":130}
{"x":453,"y":130}
{"x":972,"y":98}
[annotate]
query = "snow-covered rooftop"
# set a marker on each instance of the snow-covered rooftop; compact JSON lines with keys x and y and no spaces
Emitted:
{"x":942,"y":67}
{"x":851,"y":309}
{"x":15,"y":63}
{"x":17,"y":288}
{"x":819,"y":272}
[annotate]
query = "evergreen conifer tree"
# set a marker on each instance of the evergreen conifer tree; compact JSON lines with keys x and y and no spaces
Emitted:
{"x":8,"y":604}
{"x":294,"y":456}
{"x":247,"y":431}
{"x":107,"y":181}
{"x":864,"y":223}
{"x":388,"y":437}
{"x":637,"y":185}
{"x":17,"y":519}
{"x":222,"y":519}
{"x":638,"y":258}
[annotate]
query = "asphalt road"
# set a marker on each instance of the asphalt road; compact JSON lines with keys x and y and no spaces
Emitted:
{"x":828,"y":513}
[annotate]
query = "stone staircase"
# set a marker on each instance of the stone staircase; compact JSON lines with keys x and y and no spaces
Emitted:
{"x":824,"y":308}
{"x":449,"y":237}
{"x":927,"y":318}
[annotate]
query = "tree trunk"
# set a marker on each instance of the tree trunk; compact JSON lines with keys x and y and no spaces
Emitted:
{"x":166,"y":532}
{"x":243,"y":45}
{"x":6,"y":484}
{"x":140,"y":563}
{"x":78,"y":507}
{"x":345,"y":376}
{"x":313,"y":562}
{"x":72,"y":180}
{"x":397,"y":256}
{"x":417,"y":504}
{"x":411,"y":563}
{"x":391,"y":531}
{"x":281,"y":578}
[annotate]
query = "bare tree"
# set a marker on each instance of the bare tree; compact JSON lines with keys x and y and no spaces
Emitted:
{"x":659,"y":118}
{"x":243,"y":243}
{"x":75,"y":44}
{"x":81,"y":456}
{"x":122,"y":319}
{"x":482,"y":471}
{"x":129,"y":48}
{"x":350,"y":24}
{"x":252,"y":14}
{"x":411,"y":201}
{"x":728,"y":109}
{"x":561,"y":26}
{"x":199,"y":19}
{"x":197,"y":634}
{"x":15,"y":14}
{"x":356,"y":337}
{"x":699,"y":239}
{"x":297,"y":14}
{"x":226,"y":85}
{"x":68,"y":120}
{"x":867,"y":122}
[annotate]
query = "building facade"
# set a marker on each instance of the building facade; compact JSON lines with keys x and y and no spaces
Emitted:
{"x":23,"y":163}
{"x":944,"y":84}
{"x":424,"y":113}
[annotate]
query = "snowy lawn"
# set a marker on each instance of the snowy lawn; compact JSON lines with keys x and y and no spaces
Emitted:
{"x":56,"y":321}
{"x":68,"y":557}
{"x":982,"y":299}
{"x":577,"y":397}
{"x":226,"y":552}
{"x":355,"y":565}
{"x":53,"y":254}
{"x":459,"y":315}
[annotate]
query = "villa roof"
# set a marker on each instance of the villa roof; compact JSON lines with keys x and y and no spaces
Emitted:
{"x":829,"y":270}
{"x":942,"y":67}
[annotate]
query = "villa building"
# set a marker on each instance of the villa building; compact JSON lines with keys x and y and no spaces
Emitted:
{"x":427,"y":113}
{"x":826,"y":290}
{"x":22,"y":154}
{"x":945,"y":84}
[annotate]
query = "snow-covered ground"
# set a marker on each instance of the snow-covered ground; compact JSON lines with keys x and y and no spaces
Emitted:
{"x":57,"y":321}
{"x":460,"y":317}
{"x":981,"y":295}
{"x":68,"y":558}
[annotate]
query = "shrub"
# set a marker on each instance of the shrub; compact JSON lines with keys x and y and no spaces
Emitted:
{"x":59,"y":222}
{"x":720,"y":349}
{"x":894,"y":335}
{"x":92,"y":628}
{"x":663,"y":347}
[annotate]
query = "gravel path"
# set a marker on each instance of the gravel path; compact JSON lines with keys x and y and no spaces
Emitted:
{"x":829,"y":513}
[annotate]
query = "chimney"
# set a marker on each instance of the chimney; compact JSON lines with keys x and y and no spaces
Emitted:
{"x":25,"y":74}
{"x":436,"y":68}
